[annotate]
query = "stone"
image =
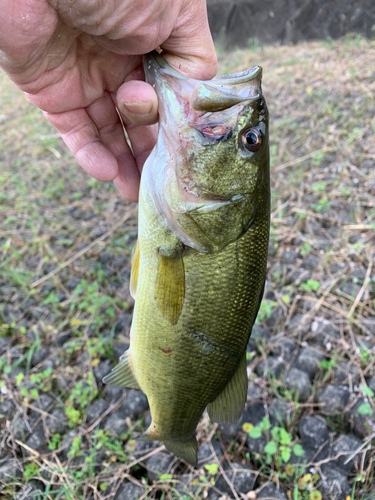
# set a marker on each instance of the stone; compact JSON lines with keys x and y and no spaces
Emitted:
{"x":280,"y":412}
{"x":207,"y":455}
{"x":308,"y":361}
{"x":253,"y":415}
{"x":185,"y":486}
{"x":254,"y":392}
{"x":142,"y":448}
{"x":119,"y":349}
{"x":313,"y":430}
{"x":72,"y":283}
{"x":276,"y":318}
{"x":135,"y":404}
{"x":334,"y":398}
{"x":96,"y":410}
{"x":63,"y":337}
{"x":284,"y":347}
{"x":10,"y":470}
{"x":59,"y":424}
{"x":369,"y":323}
{"x":32,"y":490}
{"x":38,"y":356}
{"x":7,"y":409}
{"x":113,"y":393}
{"x":256,"y":445}
{"x":370,"y":382}
{"x":359,"y":421}
{"x":103,"y":368}
{"x":240,"y":476}
{"x":311,"y":262}
{"x":116,"y":424}
{"x":289,"y":257}
{"x":324,"y":335}
{"x":129,"y":491}
{"x":272,"y":366}
{"x":348,"y":443}
{"x":333,"y":483}
{"x":66,"y":444}
{"x":346,"y":373}
{"x":36,"y":441}
{"x":259,"y":336}
{"x":158,"y":464}
{"x":123,"y":324}
{"x":271,"y":491}
{"x":298,"y":382}
{"x":43,"y":403}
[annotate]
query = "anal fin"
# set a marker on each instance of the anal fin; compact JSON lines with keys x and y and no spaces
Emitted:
{"x":122,"y":375}
{"x":228,"y":406}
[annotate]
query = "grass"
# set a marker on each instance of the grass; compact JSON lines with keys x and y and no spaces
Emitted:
{"x":55,"y":219}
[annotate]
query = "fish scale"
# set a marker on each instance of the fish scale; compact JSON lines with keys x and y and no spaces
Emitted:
{"x":199,"y":267}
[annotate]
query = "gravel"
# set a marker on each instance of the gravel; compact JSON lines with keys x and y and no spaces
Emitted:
{"x":313,"y":430}
{"x":129,"y":491}
{"x":10,"y":469}
{"x":207,"y":455}
{"x":240,"y":476}
{"x":96,"y":410}
{"x":334,"y":485}
{"x":346,"y":444}
{"x":116,"y":424}
{"x":59,"y":424}
{"x":299,"y":383}
{"x":271,"y":491}
{"x":334,"y":398}
{"x":308,"y":361}
{"x":273,"y":366}
{"x":159,"y":464}
{"x":135,"y":404}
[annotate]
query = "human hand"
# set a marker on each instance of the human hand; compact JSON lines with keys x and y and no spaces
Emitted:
{"x":72,"y":57}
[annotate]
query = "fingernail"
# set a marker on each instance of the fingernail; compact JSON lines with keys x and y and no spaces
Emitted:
{"x":138,"y":108}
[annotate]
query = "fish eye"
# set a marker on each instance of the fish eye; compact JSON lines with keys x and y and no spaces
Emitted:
{"x":251,"y":139}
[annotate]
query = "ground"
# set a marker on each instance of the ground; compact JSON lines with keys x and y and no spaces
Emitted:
{"x":308,"y":431}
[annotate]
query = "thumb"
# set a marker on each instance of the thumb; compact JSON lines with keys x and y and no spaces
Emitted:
{"x":190,"y":47}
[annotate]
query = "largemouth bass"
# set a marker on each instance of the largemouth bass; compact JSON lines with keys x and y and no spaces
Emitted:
{"x":199,"y":266}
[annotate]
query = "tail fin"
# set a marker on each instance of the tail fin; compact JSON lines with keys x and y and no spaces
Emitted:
{"x":187,"y":450}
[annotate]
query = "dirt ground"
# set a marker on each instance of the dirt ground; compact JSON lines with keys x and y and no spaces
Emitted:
{"x":308,"y":431}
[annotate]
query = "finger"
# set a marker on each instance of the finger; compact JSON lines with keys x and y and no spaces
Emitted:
{"x":190,"y":47}
{"x":111,"y":133}
{"x":82,"y":138}
{"x":138,"y":101}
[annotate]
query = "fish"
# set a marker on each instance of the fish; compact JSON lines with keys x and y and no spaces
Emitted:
{"x":198,"y":270}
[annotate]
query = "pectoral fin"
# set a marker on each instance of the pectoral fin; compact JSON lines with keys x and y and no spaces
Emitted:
{"x":228,"y":406}
{"x":122,"y":375}
{"x":170,"y":286}
{"x":134,"y":271}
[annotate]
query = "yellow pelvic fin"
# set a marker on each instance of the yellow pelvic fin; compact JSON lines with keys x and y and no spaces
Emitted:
{"x":228,"y":406}
{"x":170,"y":286}
{"x":122,"y":375}
{"x":134,"y":271}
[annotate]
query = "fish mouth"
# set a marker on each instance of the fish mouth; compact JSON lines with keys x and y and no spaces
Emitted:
{"x":218,"y":94}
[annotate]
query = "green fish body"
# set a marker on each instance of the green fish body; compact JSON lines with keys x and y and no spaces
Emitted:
{"x":198,"y":271}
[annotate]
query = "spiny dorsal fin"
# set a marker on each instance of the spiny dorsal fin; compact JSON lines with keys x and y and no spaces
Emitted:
{"x":122,"y":375}
{"x":170,"y":286}
{"x":228,"y":406}
{"x":134,"y":271}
